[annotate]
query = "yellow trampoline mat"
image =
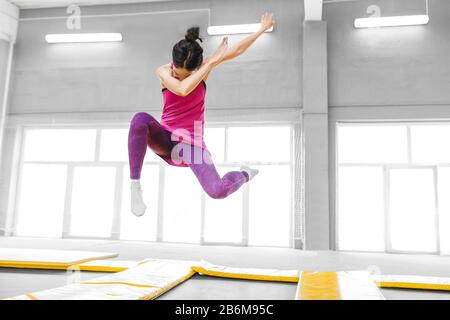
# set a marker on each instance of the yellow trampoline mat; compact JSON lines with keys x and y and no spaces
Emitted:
{"x":47,"y":259}
{"x":341,"y":285}
{"x":318,"y":286}
{"x":412,"y":282}
{"x":324,"y":284}
{"x":209,"y":269}
{"x":107,"y":265}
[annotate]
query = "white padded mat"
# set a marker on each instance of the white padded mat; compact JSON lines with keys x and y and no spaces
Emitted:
{"x":146,"y":281}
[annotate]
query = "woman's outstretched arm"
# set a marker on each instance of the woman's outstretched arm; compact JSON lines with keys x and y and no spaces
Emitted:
{"x":266,"y":23}
{"x":186,"y":86}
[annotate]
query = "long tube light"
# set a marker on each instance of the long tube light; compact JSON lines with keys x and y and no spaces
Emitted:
{"x":83,"y":37}
{"x":235,"y":29}
{"x":396,"y":21}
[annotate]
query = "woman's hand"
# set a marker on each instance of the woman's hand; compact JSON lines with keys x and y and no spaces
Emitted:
{"x":267,"y":21}
{"x":218,"y":55}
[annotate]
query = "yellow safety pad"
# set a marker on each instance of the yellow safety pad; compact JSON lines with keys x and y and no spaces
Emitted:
{"x":107,"y":265}
{"x":319,"y":286}
{"x":342,"y":285}
{"x":148,"y":280}
{"x":412,"y":282}
{"x":47,"y":259}
{"x":209,"y":269}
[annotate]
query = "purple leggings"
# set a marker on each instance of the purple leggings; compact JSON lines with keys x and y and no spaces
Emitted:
{"x":146,"y":131}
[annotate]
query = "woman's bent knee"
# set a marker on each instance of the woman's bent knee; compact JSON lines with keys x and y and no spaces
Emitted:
{"x":142,"y":117}
{"x":217,"y":192}
{"x":140,"y":121}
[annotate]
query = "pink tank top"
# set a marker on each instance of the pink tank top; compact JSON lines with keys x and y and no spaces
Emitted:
{"x":184,"y":116}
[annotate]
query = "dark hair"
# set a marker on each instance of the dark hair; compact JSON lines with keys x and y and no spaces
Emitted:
{"x":188,"y":53}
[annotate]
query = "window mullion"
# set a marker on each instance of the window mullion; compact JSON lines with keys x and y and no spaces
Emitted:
{"x":118,"y":192}
{"x":202,"y":218}
{"x":291,"y":193}
{"x":68,"y":201}
{"x":387,"y":237}
{"x":408,"y":128}
{"x":97,"y":145}
{"x":245,"y":214}
{"x":161,"y":194}
{"x":298,"y":221}
{"x":436,"y":202}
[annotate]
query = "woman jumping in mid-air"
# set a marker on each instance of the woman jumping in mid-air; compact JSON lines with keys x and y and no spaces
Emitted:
{"x":178,"y":137}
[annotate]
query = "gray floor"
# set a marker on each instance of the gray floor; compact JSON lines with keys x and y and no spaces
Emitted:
{"x":16,"y":281}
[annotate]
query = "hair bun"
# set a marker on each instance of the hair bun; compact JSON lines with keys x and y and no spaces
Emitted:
{"x":193,"y":34}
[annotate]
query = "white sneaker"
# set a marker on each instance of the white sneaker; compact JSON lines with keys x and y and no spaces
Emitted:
{"x":138,"y":206}
{"x":251,"y":172}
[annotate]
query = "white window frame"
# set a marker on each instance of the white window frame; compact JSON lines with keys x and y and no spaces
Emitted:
{"x":119,"y":179}
{"x":386,"y":187}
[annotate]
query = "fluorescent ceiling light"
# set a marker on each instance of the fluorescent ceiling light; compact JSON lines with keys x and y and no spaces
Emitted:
{"x":235,"y":29}
{"x":392,"y":21}
{"x":83,"y":37}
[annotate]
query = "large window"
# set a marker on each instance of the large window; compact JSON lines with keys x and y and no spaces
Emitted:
{"x":393,"y":187}
{"x":73,"y":182}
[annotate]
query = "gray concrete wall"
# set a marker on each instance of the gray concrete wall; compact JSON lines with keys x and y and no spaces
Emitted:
{"x":120,"y":76}
{"x":388,"y":66}
{"x":4,"y":58}
{"x":4,"y":55}
{"x":315,"y":135}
